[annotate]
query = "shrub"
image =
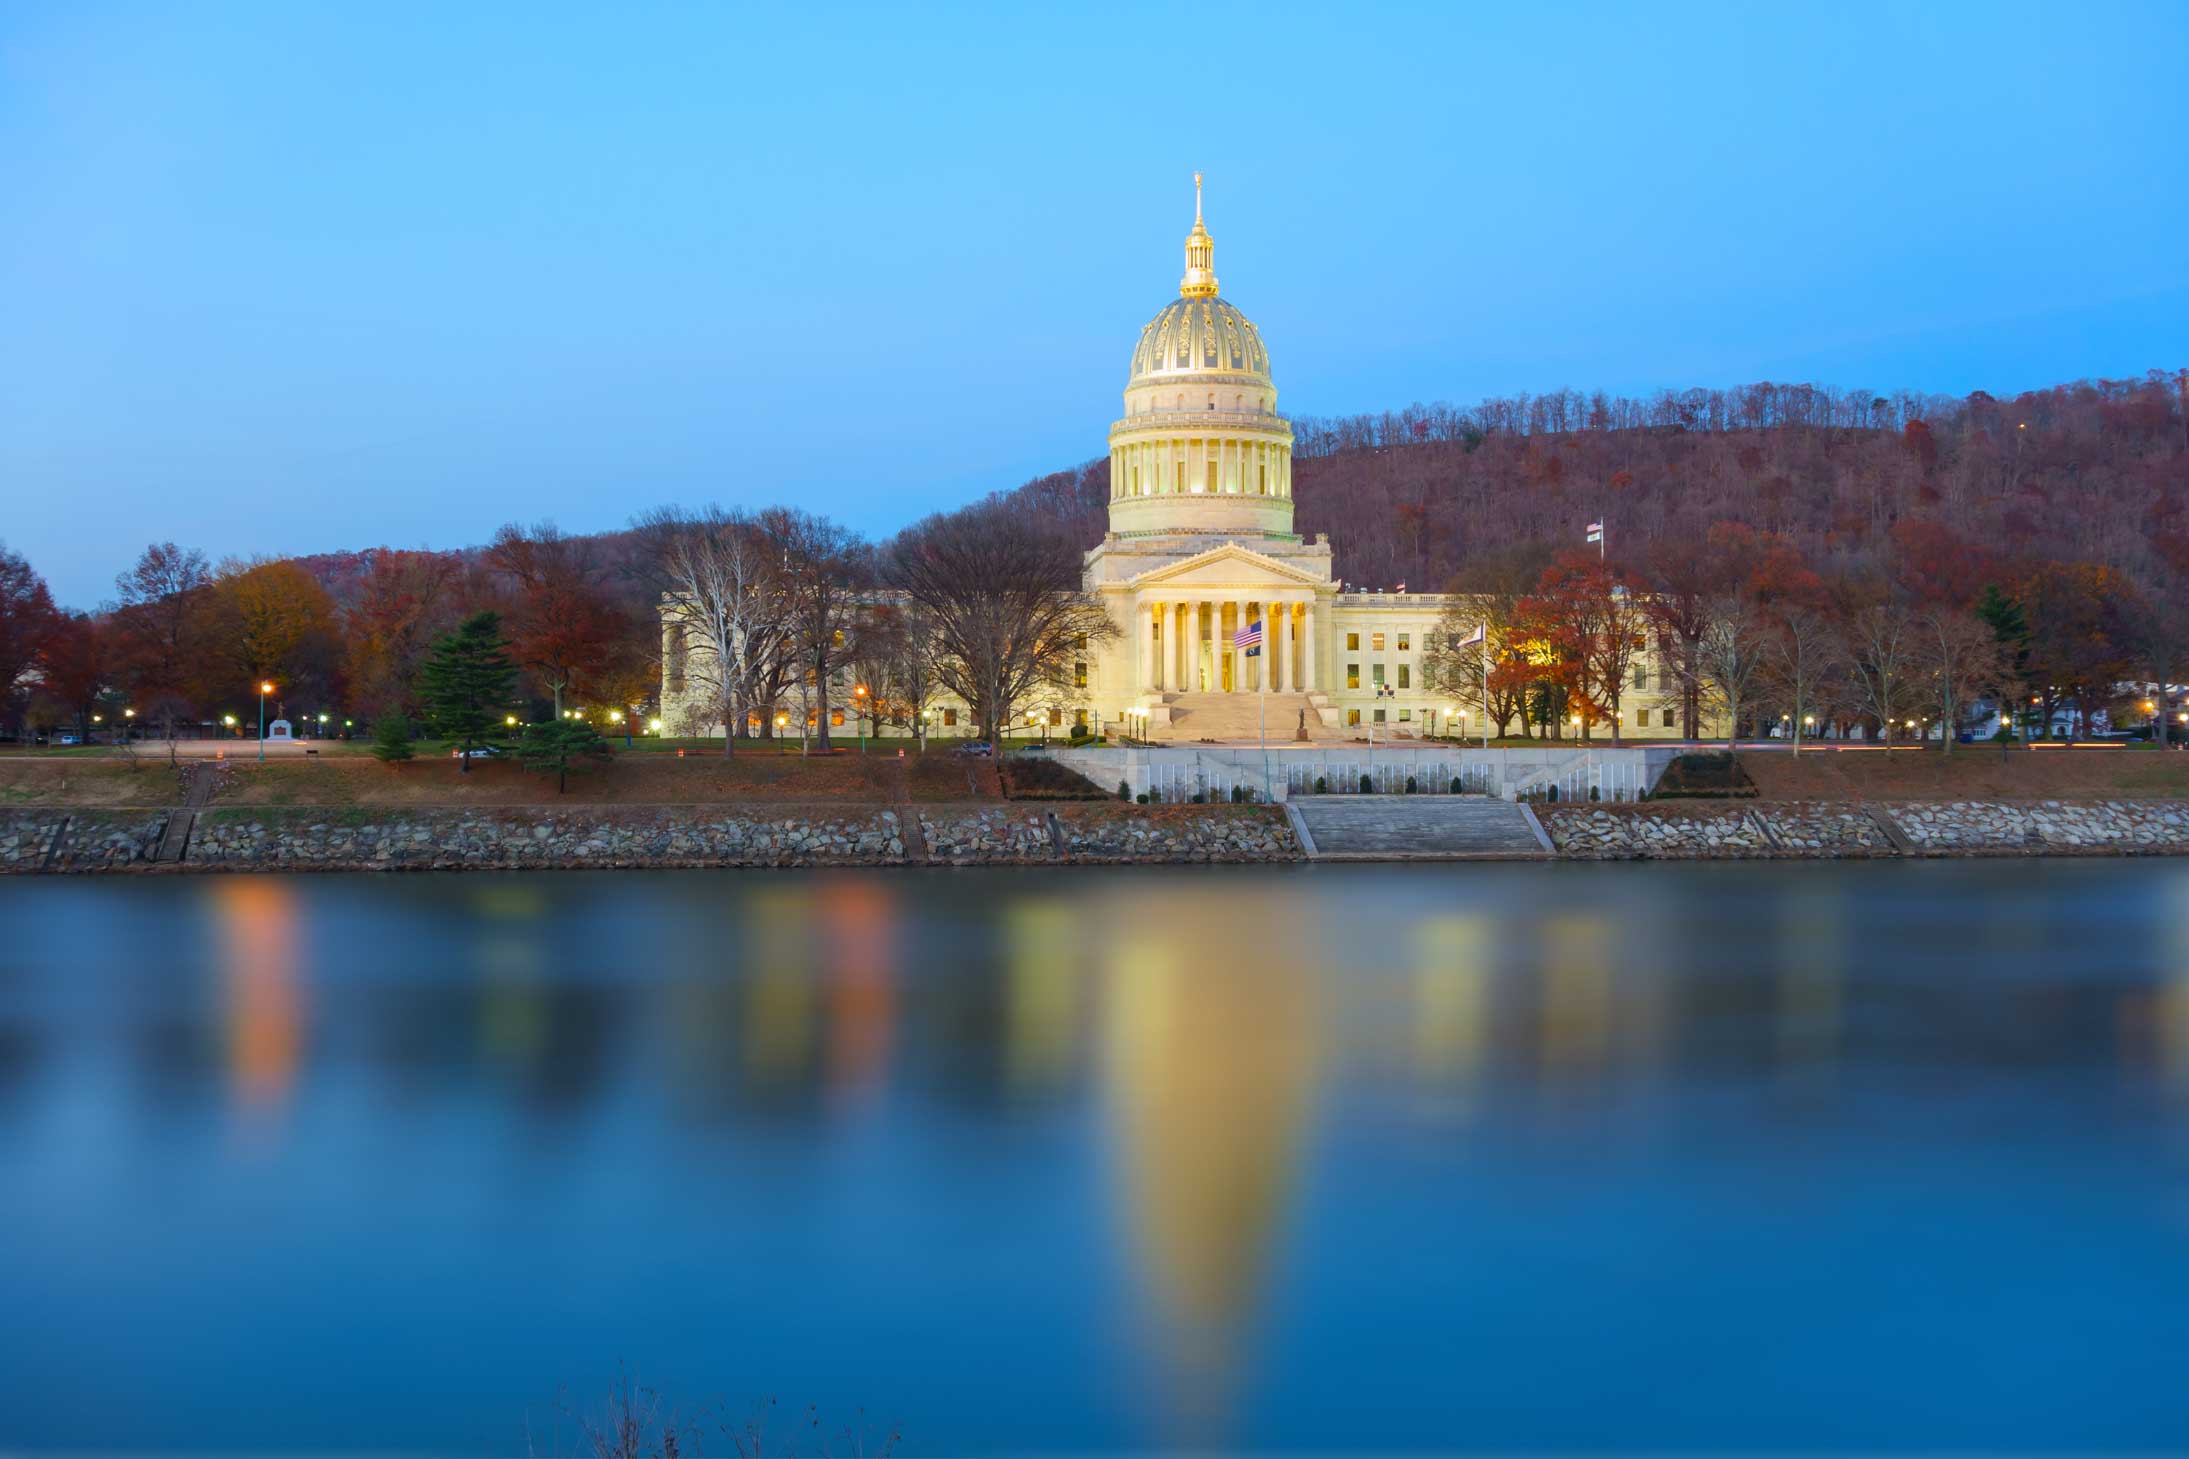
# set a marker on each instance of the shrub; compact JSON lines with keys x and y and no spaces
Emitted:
{"x":391,"y":739}
{"x":1124,"y":790}
{"x":1200,"y":797}
{"x":1141,"y":799}
{"x":1455,"y":785}
{"x":1368,"y":786}
{"x":1322,"y":785}
{"x":1411,"y":788}
{"x":1595,"y":793}
{"x":1553,"y":796}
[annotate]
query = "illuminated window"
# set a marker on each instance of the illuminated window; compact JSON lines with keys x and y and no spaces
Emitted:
{"x":1405,"y":715}
{"x":1375,"y":641}
{"x":836,"y":716}
{"x":1406,"y":676}
{"x":1641,"y":719}
{"x":950,"y":716}
{"x":1353,"y":640}
{"x":1056,"y":716}
{"x":1375,"y":675}
{"x":1079,"y":675}
{"x":1079,"y":719}
{"x":1352,"y":676}
{"x":1406,"y":641}
{"x":1352,"y":716}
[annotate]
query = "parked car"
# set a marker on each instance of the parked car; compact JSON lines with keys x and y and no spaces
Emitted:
{"x":976,"y":747}
{"x":483,"y":752}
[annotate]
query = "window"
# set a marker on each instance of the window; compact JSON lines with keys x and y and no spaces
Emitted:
{"x":1056,"y":716}
{"x":1668,"y":718}
{"x":1405,"y":642}
{"x":1352,"y":676}
{"x":1352,"y":716}
{"x":1375,"y":641}
{"x":1405,"y":715}
{"x":1080,"y":642}
{"x":1406,"y":676}
{"x":1379,"y":716}
{"x":950,"y":716}
{"x":1079,"y":675}
{"x":1353,"y":641}
{"x":836,"y":716}
{"x":1641,"y":719}
{"x":1641,"y":676}
{"x":1375,"y":675}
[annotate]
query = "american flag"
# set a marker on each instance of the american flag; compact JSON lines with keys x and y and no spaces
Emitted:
{"x":1249,"y":638}
{"x":1596,"y":531}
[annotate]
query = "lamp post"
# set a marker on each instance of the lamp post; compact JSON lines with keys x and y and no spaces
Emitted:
{"x":127,"y":727}
{"x":264,"y":689}
{"x":858,"y":697}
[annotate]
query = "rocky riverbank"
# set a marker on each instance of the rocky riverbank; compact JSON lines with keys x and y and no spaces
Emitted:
{"x":1687,"y":829}
{"x":359,"y":839}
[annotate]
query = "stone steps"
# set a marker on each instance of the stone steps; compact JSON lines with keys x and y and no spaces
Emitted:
{"x":1418,"y":825}
{"x":1239,"y":719}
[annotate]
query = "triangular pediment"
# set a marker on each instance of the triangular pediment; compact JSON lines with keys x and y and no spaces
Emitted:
{"x":1227,"y":566}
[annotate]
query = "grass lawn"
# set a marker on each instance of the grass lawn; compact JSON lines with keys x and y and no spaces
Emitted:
{"x":1967,"y":772}
{"x":109,"y":780}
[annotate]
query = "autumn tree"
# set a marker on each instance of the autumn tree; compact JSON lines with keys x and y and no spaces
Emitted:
{"x":1007,"y":602}
{"x":161,"y":623}
{"x":403,"y":602}
{"x":1598,"y":627}
{"x":271,"y":620}
{"x":76,"y":666}
{"x":562,"y":622}
{"x":1803,"y":663}
{"x":1731,"y":656}
{"x":28,"y":621}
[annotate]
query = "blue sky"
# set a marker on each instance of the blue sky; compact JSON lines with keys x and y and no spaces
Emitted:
{"x":289,"y":278}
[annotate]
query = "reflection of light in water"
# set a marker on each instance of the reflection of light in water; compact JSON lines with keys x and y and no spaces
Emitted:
{"x":1041,"y":947}
{"x":1576,"y":1013}
{"x":860,"y":918}
{"x":1213,"y":1036}
{"x":1811,"y":955}
{"x":258,"y":932}
{"x":779,"y":1013}
{"x":2172,"y":1012}
{"x":1451,"y":994}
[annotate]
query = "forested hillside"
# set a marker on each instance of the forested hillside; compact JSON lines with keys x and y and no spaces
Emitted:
{"x":2093,"y":471}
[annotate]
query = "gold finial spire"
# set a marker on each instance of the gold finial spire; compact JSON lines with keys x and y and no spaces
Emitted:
{"x":1200,"y":279}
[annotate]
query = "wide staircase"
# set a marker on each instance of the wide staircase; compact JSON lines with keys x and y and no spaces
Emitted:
{"x":1242,"y":718}
{"x":1379,"y":826}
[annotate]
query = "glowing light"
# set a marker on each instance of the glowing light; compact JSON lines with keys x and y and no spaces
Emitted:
{"x":654,"y":725}
{"x":265,"y":688}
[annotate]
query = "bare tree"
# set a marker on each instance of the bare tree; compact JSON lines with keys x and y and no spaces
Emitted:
{"x":916,"y":648}
{"x":1730,"y":657}
{"x":722,"y":594}
{"x":1803,"y":662}
{"x":820,"y":565}
{"x":1007,"y":602}
{"x":1960,"y":654}
{"x":1883,"y":658}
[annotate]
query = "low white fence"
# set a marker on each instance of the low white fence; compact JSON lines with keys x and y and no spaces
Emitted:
{"x":1179,"y":774}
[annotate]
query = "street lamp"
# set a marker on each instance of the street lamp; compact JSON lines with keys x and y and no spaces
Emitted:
{"x":264,"y":688}
{"x":858,"y":694}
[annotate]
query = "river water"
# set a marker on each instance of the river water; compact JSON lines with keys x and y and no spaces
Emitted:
{"x":1485,"y":1157}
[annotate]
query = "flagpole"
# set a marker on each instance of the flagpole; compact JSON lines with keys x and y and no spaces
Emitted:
{"x":1485,"y":684}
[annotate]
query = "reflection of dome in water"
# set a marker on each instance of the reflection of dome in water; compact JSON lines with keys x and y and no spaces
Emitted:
{"x":1213,"y":1053}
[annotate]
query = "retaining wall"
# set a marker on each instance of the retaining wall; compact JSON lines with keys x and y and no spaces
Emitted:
{"x":88,"y":840}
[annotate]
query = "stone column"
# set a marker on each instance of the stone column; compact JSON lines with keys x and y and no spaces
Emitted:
{"x":1231,"y":650}
{"x":1308,"y":681}
{"x":1276,"y":631}
{"x":1193,"y":648}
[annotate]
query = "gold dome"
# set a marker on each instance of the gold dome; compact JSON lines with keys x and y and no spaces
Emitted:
{"x":1202,"y":335}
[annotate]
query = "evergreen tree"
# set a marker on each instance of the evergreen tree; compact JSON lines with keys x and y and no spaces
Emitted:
{"x":391,"y":735}
{"x":555,"y":748}
{"x":465,"y":683}
{"x":2010,"y":631}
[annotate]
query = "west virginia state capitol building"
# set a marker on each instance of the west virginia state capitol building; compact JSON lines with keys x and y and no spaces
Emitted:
{"x":1201,"y":547}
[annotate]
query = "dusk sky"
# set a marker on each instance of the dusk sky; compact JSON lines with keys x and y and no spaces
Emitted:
{"x":295,"y":278}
